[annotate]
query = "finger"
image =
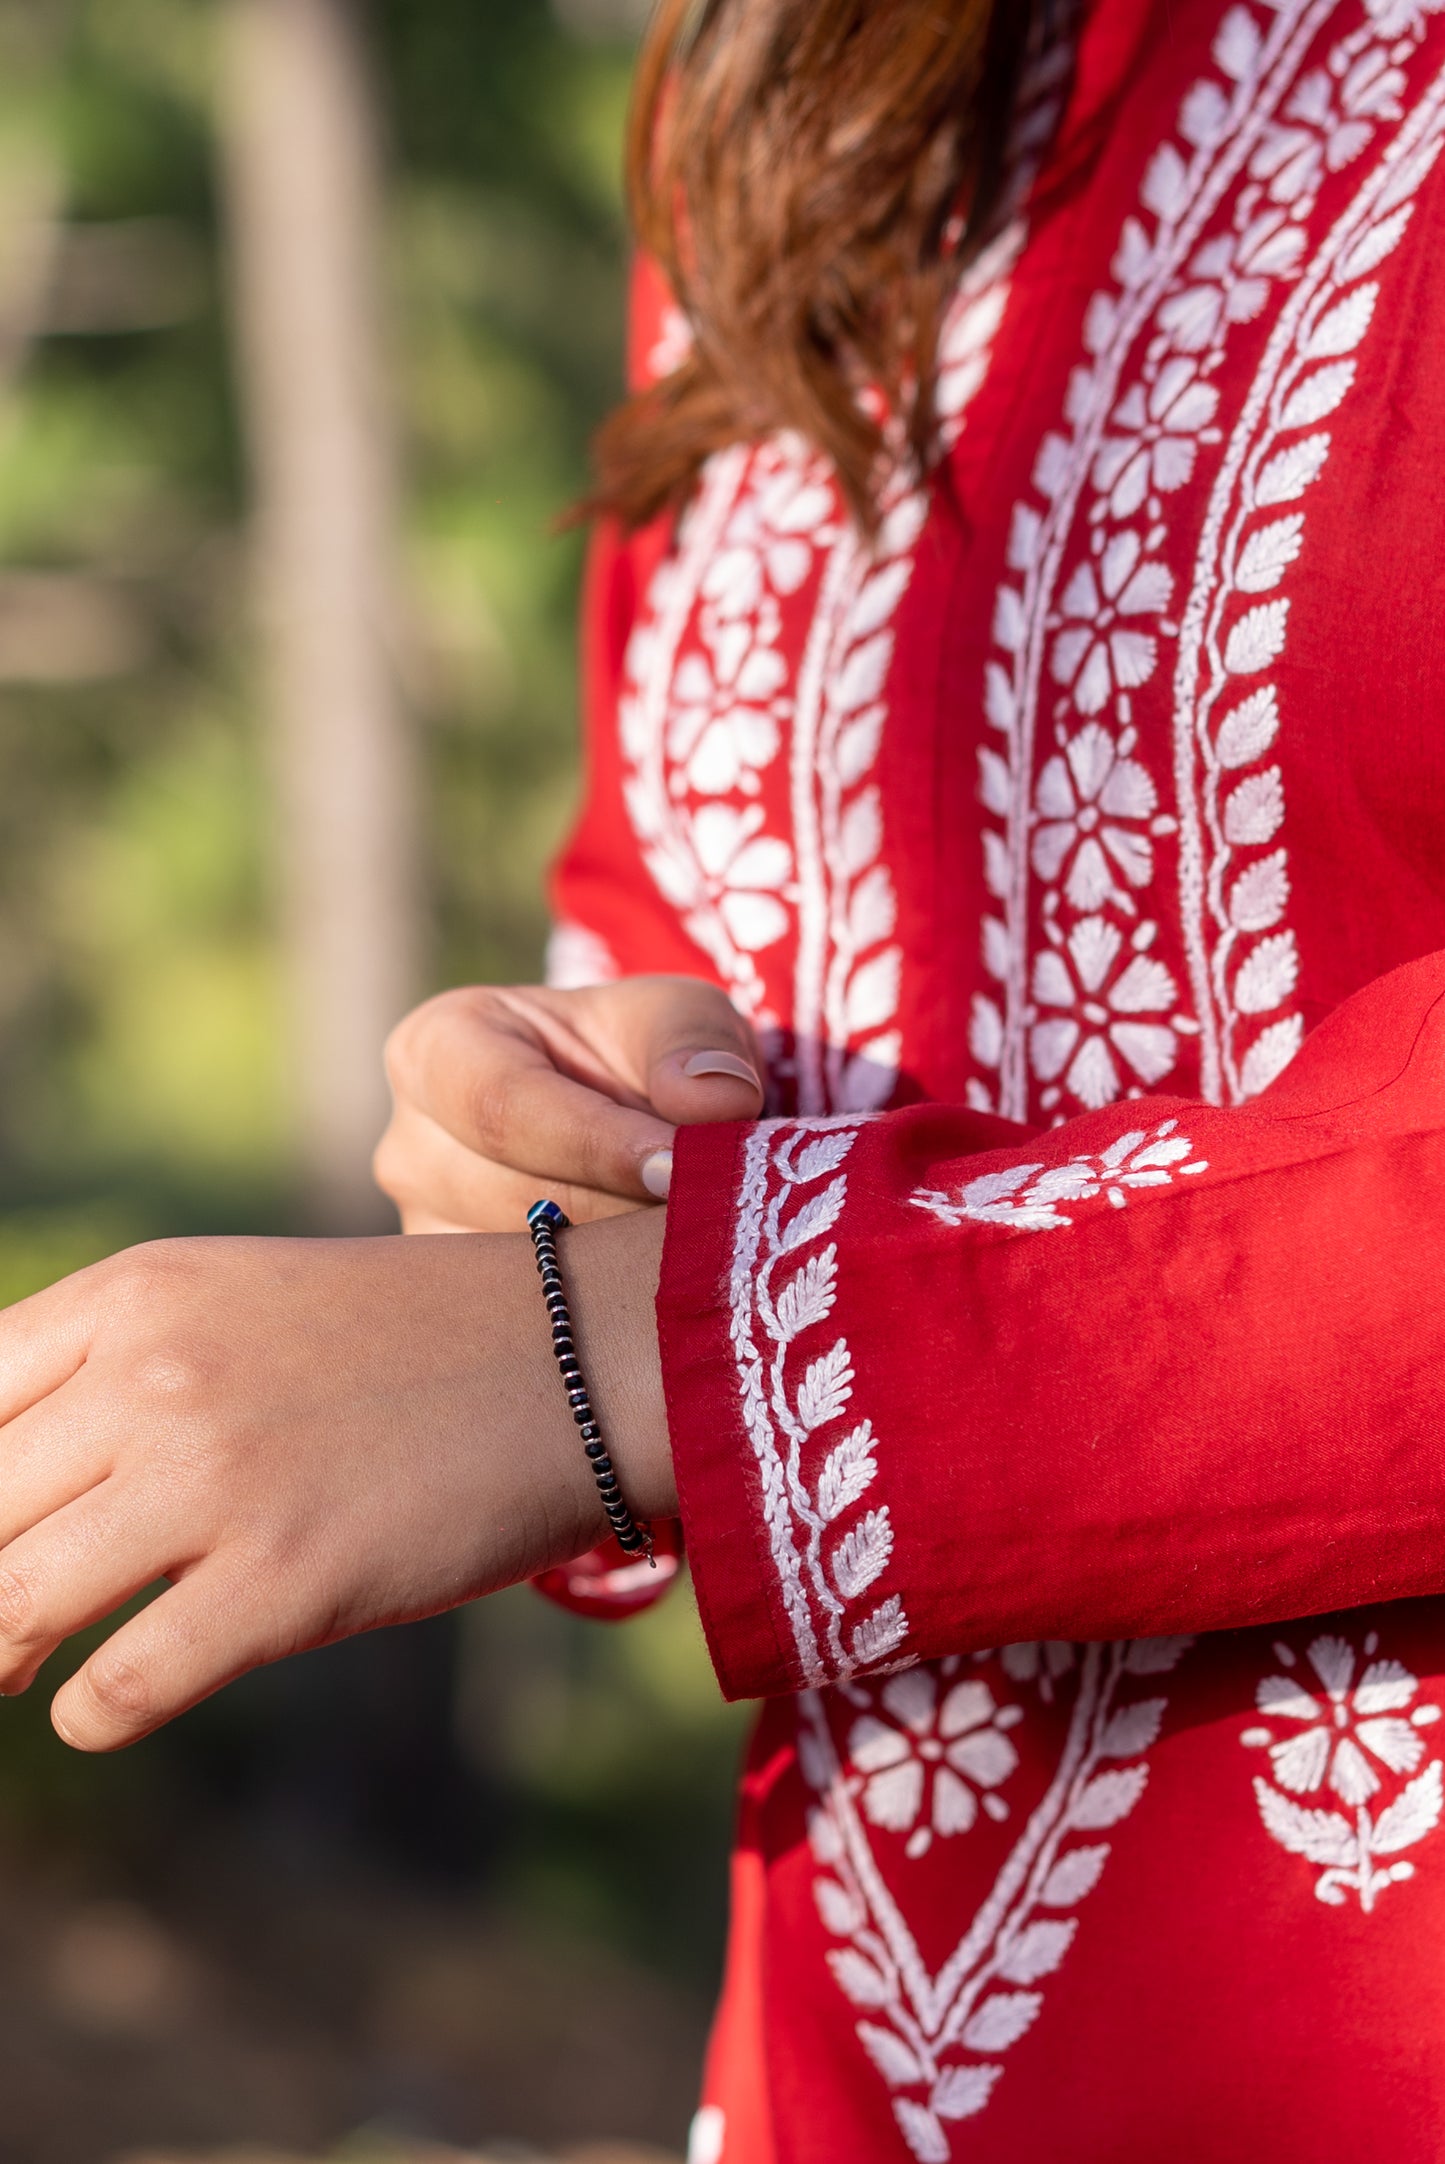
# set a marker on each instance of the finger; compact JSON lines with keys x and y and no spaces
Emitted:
{"x":698,"y":1055}
{"x":44,"y":1340}
{"x":53,"y":1453}
{"x":438,"y":1186}
{"x":71,"y":1570}
{"x":422,"y":1222}
{"x":514,"y":1080}
{"x":205,"y":1631}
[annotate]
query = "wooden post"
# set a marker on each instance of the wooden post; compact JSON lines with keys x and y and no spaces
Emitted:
{"x":302,"y":180}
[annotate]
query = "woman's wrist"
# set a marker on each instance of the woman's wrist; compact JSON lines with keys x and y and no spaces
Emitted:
{"x":611,"y":1270}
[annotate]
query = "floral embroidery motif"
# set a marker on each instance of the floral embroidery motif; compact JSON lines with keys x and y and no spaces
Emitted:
{"x":1094,"y":803}
{"x":1343,"y":1737}
{"x":828,"y":1553}
{"x":1084,"y":618}
{"x":701,"y":724}
{"x":1101,"y":652}
{"x":1027,"y":1198}
{"x":938,"y":2039}
{"x":927,"y":1767}
{"x":1106,"y":991}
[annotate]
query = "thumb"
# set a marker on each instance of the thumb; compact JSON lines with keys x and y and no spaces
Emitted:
{"x":698,"y":1057}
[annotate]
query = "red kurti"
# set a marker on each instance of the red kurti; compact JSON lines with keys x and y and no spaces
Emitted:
{"x":1099,"y":799}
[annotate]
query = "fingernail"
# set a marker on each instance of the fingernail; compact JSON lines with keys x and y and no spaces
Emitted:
{"x":657,"y":1173}
{"x":724,"y":1063}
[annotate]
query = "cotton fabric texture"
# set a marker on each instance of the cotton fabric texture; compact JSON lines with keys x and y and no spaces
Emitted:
{"x":1057,"y":1381}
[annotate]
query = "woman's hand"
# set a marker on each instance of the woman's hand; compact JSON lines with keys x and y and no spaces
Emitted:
{"x":308,"y":1439}
{"x":502,"y":1094}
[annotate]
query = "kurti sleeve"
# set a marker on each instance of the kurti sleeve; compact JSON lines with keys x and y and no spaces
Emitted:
{"x":1164,"y":1369}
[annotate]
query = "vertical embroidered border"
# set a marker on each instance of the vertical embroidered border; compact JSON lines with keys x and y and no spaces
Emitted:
{"x":828,"y":1552}
{"x":1222,"y":121}
{"x":1229,"y":636}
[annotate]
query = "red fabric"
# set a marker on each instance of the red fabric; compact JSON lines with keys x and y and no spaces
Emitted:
{"x":1203,"y":1403}
{"x":1078,"y":1324}
{"x":607,"y":1585}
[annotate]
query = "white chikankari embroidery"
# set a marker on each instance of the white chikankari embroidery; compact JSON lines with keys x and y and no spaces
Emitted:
{"x":1227,"y":235}
{"x":707,"y":2136}
{"x":1343,"y":1736}
{"x":1234,"y":881}
{"x":923,"y":1764}
{"x":710,"y":703}
{"x":1223,"y":227}
{"x":1040,"y":1661}
{"x":699,"y":727}
{"x":709,"y":706}
{"x":673,"y":344}
{"x":816,"y":1469}
{"x":938,"y":2039}
{"x":578,"y":957}
{"x":1027,"y":1197}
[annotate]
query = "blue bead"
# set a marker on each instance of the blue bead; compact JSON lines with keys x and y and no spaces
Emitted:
{"x":546,"y":1213}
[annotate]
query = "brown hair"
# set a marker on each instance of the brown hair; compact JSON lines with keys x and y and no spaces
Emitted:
{"x":800,"y":170}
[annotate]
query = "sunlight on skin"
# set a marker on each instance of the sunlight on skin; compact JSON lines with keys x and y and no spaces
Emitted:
{"x":310,"y":1438}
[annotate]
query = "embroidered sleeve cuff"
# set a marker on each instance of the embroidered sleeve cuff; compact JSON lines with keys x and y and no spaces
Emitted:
{"x":721,"y":1486}
{"x":1166,"y":1368}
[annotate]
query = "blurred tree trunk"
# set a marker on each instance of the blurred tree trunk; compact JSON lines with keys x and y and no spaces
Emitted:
{"x":302,"y":174}
{"x":29,"y":235}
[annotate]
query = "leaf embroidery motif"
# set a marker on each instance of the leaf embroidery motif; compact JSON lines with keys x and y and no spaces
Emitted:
{"x":814,"y":1218}
{"x":1286,"y":476}
{"x":1257,"y":639}
{"x":826,"y":1387}
{"x":1268,"y":976}
{"x":1271,"y":1053}
{"x":823,"y":1155}
{"x":1036,"y":1952}
{"x":1247,"y":733}
{"x":861,"y":1556}
{"x":1002,"y":2019}
{"x":1076,"y":1875}
{"x":807,"y":1297}
{"x":964,"y":2090}
{"x":1257,"y":898}
{"x":879,"y":1636}
{"x":848,"y":1471}
{"x":1108,"y":1798}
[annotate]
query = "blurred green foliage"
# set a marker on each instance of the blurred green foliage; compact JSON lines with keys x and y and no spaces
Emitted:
{"x":141,"y":1087}
{"x":139,"y":1007}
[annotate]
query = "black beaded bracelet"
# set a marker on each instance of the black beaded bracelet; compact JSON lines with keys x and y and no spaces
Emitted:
{"x":544,"y":1222}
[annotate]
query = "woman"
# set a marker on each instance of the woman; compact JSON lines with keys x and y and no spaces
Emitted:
{"x":1029,"y":733}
